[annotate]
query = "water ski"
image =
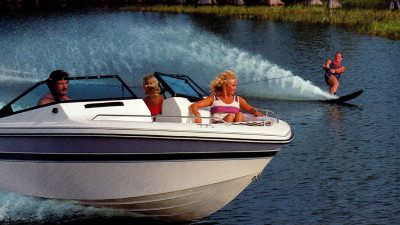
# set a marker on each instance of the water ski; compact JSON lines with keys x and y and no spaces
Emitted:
{"x":345,"y":98}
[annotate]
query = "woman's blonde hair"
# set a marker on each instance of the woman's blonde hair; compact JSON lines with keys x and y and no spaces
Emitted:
{"x":218,"y":82}
{"x":150,"y":84}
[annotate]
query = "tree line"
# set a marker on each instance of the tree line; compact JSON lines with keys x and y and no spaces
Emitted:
{"x":378,"y":4}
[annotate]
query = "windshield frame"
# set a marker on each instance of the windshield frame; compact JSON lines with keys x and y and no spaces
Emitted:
{"x":7,"y":110}
{"x":172,"y":91}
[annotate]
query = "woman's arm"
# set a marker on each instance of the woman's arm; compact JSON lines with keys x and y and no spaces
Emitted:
{"x":248,"y":108}
{"x":194,"y":108}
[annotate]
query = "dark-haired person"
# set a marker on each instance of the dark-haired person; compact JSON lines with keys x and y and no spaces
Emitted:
{"x":59,"y":81}
{"x":333,"y":71}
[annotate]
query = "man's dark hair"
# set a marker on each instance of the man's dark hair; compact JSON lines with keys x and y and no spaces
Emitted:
{"x":340,"y":53}
{"x":58,"y":75}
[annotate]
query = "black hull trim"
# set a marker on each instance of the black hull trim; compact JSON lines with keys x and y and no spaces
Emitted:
{"x":98,"y":145}
{"x":179,"y":138}
{"x":131,"y":157}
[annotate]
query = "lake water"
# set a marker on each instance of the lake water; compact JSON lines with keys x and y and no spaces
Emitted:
{"x":343,"y":166}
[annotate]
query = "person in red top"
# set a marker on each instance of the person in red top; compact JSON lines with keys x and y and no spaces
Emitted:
{"x":59,"y":82}
{"x":333,"y":71}
{"x":153,"y":100}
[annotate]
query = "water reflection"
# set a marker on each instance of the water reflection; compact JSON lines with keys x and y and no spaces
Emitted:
{"x":218,"y":26}
{"x":335,"y":112}
{"x":46,"y":5}
{"x":337,"y":109}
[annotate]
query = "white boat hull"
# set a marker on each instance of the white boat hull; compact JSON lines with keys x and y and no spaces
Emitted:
{"x":105,"y":149}
{"x":171,"y":190}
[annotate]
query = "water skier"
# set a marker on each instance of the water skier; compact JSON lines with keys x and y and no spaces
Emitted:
{"x":333,"y":71}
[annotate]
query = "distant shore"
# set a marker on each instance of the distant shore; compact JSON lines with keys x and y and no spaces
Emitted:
{"x":384,"y":23}
{"x":369,"y":19}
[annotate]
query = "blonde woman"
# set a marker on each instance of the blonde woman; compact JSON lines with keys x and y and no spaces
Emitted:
{"x":223,"y":102}
{"x":153,"y":100}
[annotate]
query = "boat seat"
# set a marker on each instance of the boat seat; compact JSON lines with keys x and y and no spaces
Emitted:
{"x":176,"y":109}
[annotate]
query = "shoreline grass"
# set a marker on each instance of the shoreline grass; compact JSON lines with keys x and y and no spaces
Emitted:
{"x":384,"y":23}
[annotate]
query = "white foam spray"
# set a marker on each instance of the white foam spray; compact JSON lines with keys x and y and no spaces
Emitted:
{"x":134,"y":44}
{"x":30,"y":210}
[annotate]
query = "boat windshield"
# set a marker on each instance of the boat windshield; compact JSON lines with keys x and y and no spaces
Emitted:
{"x":79,"y":89}
{"x":180,"y":86}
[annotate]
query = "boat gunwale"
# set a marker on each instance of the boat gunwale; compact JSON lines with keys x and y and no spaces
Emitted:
{"x":130,"y":157}
{"x":169,"y":137}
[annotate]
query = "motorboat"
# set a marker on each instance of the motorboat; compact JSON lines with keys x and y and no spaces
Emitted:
{"x":104,"y":149}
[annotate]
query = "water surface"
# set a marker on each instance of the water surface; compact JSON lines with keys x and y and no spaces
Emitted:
{"x":342,"y":167}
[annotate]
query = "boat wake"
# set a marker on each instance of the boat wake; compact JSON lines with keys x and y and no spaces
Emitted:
{"x":131,"y":45}
{"x":15,"y":208}
{"x":259,"y":78}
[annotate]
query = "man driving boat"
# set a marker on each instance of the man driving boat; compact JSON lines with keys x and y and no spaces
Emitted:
{"x":59,"y":82}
